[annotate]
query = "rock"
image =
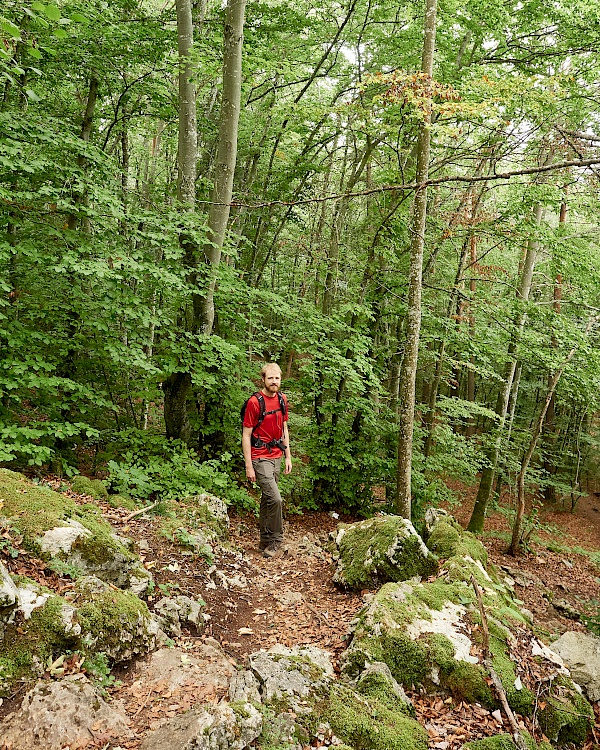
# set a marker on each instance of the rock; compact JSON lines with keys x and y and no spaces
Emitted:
{"x":55,"y":714}
{"x":178,"y":610}
{"x":114,"y":621}
{"x":377,"y":680}
{"x":221,"y":727}
{"x":581,"y":652}
{"x":62,"y":538}
{"x":244,"y":687}
{"x":566,"y":609}
{"x":566,"y":717}
{"x":208,"y":669}
{"x":8,"y":591}
{"x":211,"y":511}
{"x":54,"y":526}
{"x":291,"y":673}
{"x":380,"y":549}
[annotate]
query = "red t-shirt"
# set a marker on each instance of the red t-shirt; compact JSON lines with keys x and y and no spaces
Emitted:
{"x":271,"y":427}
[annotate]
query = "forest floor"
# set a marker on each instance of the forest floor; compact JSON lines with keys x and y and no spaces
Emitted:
{"x":254,"y":602}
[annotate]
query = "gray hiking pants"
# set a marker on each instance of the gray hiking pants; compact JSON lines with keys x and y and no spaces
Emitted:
{"x":270,"y":520}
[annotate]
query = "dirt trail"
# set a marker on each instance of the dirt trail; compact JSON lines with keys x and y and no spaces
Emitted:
{"x":253,"y":602}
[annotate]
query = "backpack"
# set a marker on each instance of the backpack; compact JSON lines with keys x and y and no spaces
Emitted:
{"x":256,"y":442}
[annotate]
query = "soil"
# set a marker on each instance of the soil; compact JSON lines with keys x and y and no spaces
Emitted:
{"x":254,"y":602}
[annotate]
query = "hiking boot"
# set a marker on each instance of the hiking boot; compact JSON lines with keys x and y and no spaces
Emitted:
{"x":272,"y":549}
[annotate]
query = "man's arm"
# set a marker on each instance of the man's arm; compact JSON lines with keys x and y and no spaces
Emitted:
{"x":288,"y":452}
{"x":246,"y":447}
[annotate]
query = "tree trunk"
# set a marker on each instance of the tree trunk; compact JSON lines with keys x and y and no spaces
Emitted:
{"x":516,"y":532}
{"x":204,"y":306}
{"x":488,"y":474}
{"x":177,"y":385}
{"x":411,"y":351}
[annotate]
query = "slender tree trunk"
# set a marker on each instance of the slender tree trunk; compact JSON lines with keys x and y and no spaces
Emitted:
{"x":226,"y":158}
{"x":516,"y":532}
{"x":177,"y":385}
{"x":408,"y":372}
{"x":549,"y":436}
{"x":488,"y":474}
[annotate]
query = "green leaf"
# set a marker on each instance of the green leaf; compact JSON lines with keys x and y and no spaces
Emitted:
{"x":53,"y":12}
{"x":9,"y":28}
{"x":35,"y":53}
{"x":60,"y":33}
{"x":32,"y":95}
{"x":40,"y":7}
{"x":79,"y":17}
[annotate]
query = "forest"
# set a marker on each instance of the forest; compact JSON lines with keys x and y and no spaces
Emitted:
{"x":397,"y":202}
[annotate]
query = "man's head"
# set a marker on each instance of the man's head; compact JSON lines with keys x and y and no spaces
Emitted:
{"x":271,"y":377}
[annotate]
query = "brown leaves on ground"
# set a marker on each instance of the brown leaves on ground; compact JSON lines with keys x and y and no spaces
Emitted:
{"x":255,"y":602}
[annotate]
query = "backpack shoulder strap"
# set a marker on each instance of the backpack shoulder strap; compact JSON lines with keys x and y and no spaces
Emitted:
{"x":282,"y":403}
{"x":261,"y":405}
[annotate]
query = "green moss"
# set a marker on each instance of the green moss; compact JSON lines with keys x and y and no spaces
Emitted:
{"x":473,"y":547}
{"x":93,"y":487}
{"x":107,"y":614}
{"x":368,"y":724}
{"x":41,"y":637}
{"x":366,"y":548}
{"x":444,"y":539}
{"x":504,"y":742}
{"x":567,"y":716}
{"x":122,"y":501}
{"x":521,"y":701}
{"x":376,"y":686}
{"x":34,"y":510}
{"x":464,"y":680}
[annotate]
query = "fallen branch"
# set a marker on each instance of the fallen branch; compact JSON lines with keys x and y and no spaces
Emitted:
{"x":140,"y":511}
{"x":497,"y":682}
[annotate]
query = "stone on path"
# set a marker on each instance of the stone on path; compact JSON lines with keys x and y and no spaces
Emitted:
{"x":581,"y":653}
{"x":59,"y":713}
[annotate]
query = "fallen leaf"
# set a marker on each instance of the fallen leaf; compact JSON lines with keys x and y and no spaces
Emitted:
{"x":246,"y":631}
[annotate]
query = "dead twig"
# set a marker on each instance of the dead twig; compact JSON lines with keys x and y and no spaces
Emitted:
{"x":140,"y":511}
{"x":497,"y":682}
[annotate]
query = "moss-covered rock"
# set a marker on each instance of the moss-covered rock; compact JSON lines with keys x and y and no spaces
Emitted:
{"x":567,"y":717}
{"x":444,"y":539}
{"x":44,"y":626}
{"x":368,"y":723}
{"x":505,"y":742}
{"x":377,"y":683}
{"x":381,"y":549}
{"x":93,"y":487}
{"x":114,"y":622}
{"x":54,"y":527}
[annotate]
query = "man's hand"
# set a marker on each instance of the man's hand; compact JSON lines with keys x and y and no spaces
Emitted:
{"x":288,"y":465}
{"x":250,"y":473}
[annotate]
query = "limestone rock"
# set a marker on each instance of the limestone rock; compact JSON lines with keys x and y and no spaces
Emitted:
{"x":114,"y":621}
{"x":62,"y":538}
{"x":381,"y":549}
{"x":221,"y":727}
{"x":291,"y":673}
{"x":376,"y":678}
{"x":178,"y":610}
{"x":212,"y":511}
{"x":581,"y":652}
{"x":8,"y":590}
{"x":244,"y":687}
{"x":208,"y":669}
{"x":54,"y":714}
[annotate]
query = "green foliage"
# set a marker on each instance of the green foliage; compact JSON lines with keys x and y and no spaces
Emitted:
{"x":154,"y":467}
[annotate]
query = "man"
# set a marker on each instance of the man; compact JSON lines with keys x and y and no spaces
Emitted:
{"x":264,"y":444}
